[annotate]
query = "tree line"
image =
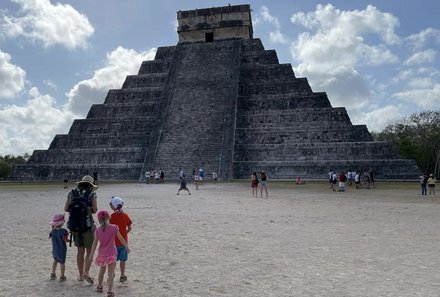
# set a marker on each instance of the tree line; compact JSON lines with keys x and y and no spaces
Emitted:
{"x":7,"y":163}
{"x":416,"y":137}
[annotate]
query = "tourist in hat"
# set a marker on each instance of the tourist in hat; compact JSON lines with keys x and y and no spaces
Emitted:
{"x":59,"y":237}
{"x":120,"y":218}
{"x":82,"y":228}
{"x":106,"y":258}
{"x":431,"y":184}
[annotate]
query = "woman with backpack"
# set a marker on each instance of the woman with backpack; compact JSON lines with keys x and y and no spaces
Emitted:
{"x":82,"y":204}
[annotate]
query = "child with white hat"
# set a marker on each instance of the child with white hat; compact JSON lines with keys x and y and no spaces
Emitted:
{"x":123,"y":221}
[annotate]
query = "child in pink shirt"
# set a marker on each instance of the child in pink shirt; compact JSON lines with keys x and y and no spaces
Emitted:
{"x":105,"y":234}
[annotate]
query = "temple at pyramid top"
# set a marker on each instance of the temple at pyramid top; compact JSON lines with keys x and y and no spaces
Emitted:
{"x":220,"y":101}
{"x":217,"y":23}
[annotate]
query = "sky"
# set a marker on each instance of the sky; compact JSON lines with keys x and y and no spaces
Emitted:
{"x":378,"y":59}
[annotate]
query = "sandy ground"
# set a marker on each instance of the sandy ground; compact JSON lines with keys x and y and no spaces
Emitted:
{"x":220,"y":241}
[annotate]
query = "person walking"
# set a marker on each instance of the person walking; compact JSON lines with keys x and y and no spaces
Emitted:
{"x":124,"y":223}
{"x":81,"y":204}
{"x":431,"y":184}
{"x":59,"y":237}
{"x":105,"y":235}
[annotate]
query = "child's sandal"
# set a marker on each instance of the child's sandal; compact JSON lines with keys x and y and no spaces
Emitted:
{"x":110,"y":294}
{"x":99,"y":289}
{"x":123,"y":278}
{"x":53,"y":276}
{"x":63,"y":278}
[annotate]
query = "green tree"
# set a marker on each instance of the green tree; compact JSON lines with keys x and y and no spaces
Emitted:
{"x":7,"y":163}
{"x":416,"y":137}
{"x":5,"y":169}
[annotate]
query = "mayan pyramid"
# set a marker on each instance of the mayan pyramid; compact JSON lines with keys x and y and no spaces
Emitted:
{"x":216,"y":100}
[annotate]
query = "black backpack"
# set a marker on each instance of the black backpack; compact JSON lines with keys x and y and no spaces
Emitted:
{"x":79,"y":217}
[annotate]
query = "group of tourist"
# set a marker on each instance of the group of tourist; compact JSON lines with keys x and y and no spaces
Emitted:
{"x":429,"y":180}
{"x":155,"y":176}
{"x":109,"y":239}
{"x":361,"y":179}
{"x":259,"y":182}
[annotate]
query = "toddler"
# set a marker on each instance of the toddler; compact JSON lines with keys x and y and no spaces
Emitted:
{"x":59,"y":237}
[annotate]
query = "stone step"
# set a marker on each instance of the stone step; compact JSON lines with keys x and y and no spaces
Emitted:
{"x":145,"y":80}
{"x":282,"y":101}
{"x":134,"y":95}
{"x":88,"y":155}
{"x":103,"y":140}
{"x":297,"y":135}
{"x":112,"y":125}
{"x":295,"y":86}
{"x":313,"y":151}
{"x":122,"y":110}
{"x":155,"y":66}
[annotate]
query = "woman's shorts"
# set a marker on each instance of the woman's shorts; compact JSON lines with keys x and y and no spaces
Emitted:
{"x":83,"y":239}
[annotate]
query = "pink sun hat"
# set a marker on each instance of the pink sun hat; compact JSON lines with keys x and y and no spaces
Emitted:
{"x":102,"y":214}
{"x":57,"y":220}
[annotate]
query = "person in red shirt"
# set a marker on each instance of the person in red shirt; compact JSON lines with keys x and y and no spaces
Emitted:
{"x":123,"y":221}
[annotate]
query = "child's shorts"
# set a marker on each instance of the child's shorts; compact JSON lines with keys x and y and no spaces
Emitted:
{"x":122,"y":254}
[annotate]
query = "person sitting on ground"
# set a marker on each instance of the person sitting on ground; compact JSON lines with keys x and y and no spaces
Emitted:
{"x":300,"y":181}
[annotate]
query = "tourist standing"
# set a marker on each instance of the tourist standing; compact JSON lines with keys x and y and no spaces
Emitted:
{"x":254,"y":184}
{"x":431,"y":184}
{"x":214,"y":176}
{"x":342,"y":179}
{"x":147,"y":176}
{"x":263,"y":177}
{"x":83,"y":196}
{"x":183,"y":186}
{"x":197,"y":181}
{"x":423,"y":182}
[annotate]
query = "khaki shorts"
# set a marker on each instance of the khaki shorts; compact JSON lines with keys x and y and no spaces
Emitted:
{"x":83,"y":239}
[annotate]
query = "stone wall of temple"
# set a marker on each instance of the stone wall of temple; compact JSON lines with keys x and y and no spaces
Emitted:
{"x":226,"y":105}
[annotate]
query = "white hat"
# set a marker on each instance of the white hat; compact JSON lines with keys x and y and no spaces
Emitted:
{"x":117,"y":202}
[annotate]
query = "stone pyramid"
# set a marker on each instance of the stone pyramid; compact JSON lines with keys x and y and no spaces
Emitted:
{"x":220,"y":101}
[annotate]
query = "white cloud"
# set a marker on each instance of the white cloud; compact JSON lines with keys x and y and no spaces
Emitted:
{"x":42,"y":22}
{"x":50,"y":83}
{"x":336,"y":44}
{"x":264,"y":17}
{"x":12,"y":77}
{"x":119,"y":63}
{"x":32,"y":126}
{"x":426,"y":56}
{"x":277,"y":37}
{"x":378,"y":118}
{"x":421,"y":39}
{"x":268,"y":18}
{"x":422,"y":92}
